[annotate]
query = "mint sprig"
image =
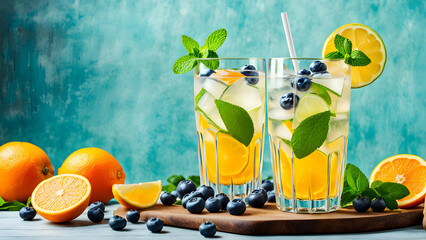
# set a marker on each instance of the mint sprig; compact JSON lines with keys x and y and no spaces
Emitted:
{"x":186,"y":63}
{"x":356,"y":184}
{"x":310,"y":134}
{"x":13,"y":205}
{"x":354,"y":58}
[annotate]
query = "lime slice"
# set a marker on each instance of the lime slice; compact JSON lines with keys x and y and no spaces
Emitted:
{"x":333,"y":85}
{"x":310,"y":105}
{"x":366,"y":40}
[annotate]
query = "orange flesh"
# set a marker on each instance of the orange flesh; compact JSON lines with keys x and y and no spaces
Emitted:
{"x":228,"y":76}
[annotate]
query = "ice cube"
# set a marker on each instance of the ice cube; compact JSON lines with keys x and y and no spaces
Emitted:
{"x":210,"y":111}
{"x":283,"y":132}
{"x":323,"y":74}
{"x":278,"y":113}
{"x":214,"y":87}
{"x":243,"y":95}
{"x":335,"y":85}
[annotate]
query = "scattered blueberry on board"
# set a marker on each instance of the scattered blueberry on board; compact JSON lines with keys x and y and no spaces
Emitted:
{"x":378,"y":205}
{"x":267,"y":185}
{"x":133,"y":216}
{"x":206,"y":72}
{"x":317,"y":66}
{"x":271,"y":196}
{"x":206,"y":191}
{"x":224,"y":200}
{"x":305,"y":72}
{"x":286,"y":101}
{"x":97,"y":205}
{"x":95,"y":214}
{"x":117,"y":223}
{"x":250,"y":71}
{"x":302,"y":83}
{"x":27,"y":213}
{"x":154,"y":225}
{"x":184,"y":187}
{"x":190,"y":195}
{"x":257,"y":198}
{"x":213,"y":205}
{"x":167,"y":198}
{"x":361,"y":204}
{"x":195,"y":205}
{"x":236,"y":207}
{"x":207,"y":229}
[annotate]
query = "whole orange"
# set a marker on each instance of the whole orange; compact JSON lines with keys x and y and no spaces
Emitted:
{"x":22,"y":167}
{"x":99,"y":167}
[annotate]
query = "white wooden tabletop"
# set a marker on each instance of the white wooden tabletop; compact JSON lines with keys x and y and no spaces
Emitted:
{"x":13,"y":227}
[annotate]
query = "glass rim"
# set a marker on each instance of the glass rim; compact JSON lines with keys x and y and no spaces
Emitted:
{"x":310,"y":59}
{"x":230,"y":58}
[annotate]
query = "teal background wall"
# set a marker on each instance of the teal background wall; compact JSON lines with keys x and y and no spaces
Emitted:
{"x":75,"y":74}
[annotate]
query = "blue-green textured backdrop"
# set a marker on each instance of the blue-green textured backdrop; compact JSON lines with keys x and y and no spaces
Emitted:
{"x":75,"y":74}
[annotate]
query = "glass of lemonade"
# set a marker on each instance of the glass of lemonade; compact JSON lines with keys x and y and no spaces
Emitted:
{"x":308,"y":125}
{"x":230,"y":138}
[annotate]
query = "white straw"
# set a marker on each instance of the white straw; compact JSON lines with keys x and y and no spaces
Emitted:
{"x":290,"y":44}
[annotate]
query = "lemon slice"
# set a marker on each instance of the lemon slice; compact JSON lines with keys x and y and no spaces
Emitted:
{"x":310,"y":105}
{"x":137,"y":196}
{"x":366,"y":40}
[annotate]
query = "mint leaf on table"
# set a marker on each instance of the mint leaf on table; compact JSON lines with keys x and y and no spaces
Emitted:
{"x":28,"y":202}
{"x":355,"y":178}
{"x":216,"y":39}
{"x":175,"y":179}
{"x":189,"y":44}
{"x":390,"y":192}
{"x":195,"y":180}
{"x":348,"y":197}
{"x":12,"y":206}
{"x":184,"y":64}
{"x":359,"y":59}
{"x":310,"y":134}
{"x":344,"y":51}
{"x":2,"y":201}
{"x":237,"y":121}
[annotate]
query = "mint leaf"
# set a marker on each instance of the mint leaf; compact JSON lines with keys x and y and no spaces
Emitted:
{"x":397,"y":190}
{"x":391,"y":202}
{"x":28,"y":202}
{"x":288,"y":142}
{"x":376,"y":184}
{"x":355,"y":178}
{"x":310,"y":134}
{"x":179,"y":202}
{"x":347,"y":45}
{"x":175,"y":179}
{"x":216,"y":39}
{"x":370,"y":193}
{"x":236,"y":120}
{"x":348,"y":197}
{"x":195,"y":180}
{"x":339,"y":43}
{"x":2,"y":201}
{"x":184,"y":64}
{"x":359,"y":59}
{"x":321,"y":91}
{"x":334,"y":55}
{"x":189,"y":44}
{"x":12,"y":206}
{"x":212,"y":64}
{"x":168,"y":188}
{"x":269,"y":178}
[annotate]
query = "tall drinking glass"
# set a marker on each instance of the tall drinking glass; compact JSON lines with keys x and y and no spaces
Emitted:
{"x":230,"y":121}
{"x":308,"y":125}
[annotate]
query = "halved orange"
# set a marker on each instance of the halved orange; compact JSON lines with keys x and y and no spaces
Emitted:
{"x":62,"y":198}
{"x":406,"y":169}
{"x":228,"y":76}
{"x":137,"y":196}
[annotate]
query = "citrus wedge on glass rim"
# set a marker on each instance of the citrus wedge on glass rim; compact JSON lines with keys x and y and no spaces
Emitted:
{"x":366,"y":40}
{"x":406,"y":169}
{"x":137,"y":196}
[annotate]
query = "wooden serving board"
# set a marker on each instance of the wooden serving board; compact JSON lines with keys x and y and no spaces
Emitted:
{"x":269,"y":220}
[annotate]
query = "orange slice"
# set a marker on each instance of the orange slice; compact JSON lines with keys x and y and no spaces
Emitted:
{"x":137,"y":196}
{"x":228,"y":76}
{"x":407,"y":169}
{"x":61,"y":198}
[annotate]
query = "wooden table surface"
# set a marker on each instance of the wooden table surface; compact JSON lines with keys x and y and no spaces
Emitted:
{"x":12,"y":227}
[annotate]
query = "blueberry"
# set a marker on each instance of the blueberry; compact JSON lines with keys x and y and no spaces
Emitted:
{"x":154,"y":225}
{"x":190,"y":195}
{"x":206,"y":191}
{"x":97,"y":205}
{"x":195,"y":205}
{"x":302,"y":84}
{"x":236,"y":207}
{"x":224,"y":200}
{"x":213,"y":205}
{"x":174,"y":193}
{"x":117,"y":223}
{"x":286,"y":101}
{"x":184,"y":187}
{"x":133,"y":216}
{"x":304,"y":72}
{"x":95,"y":214}
{"x":271,"y":196}
{"x":267,"y":185}
{"x":361,"y":204}
{"x":206,"y":72}
{"x":250,"y":71}
{"x":207,"y":229}
{"x":27,"y":213}
{"x":167,"y":198}
{"x":378,"y":205}
{"x":257,"y":199}
{"x":317,"y":66}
